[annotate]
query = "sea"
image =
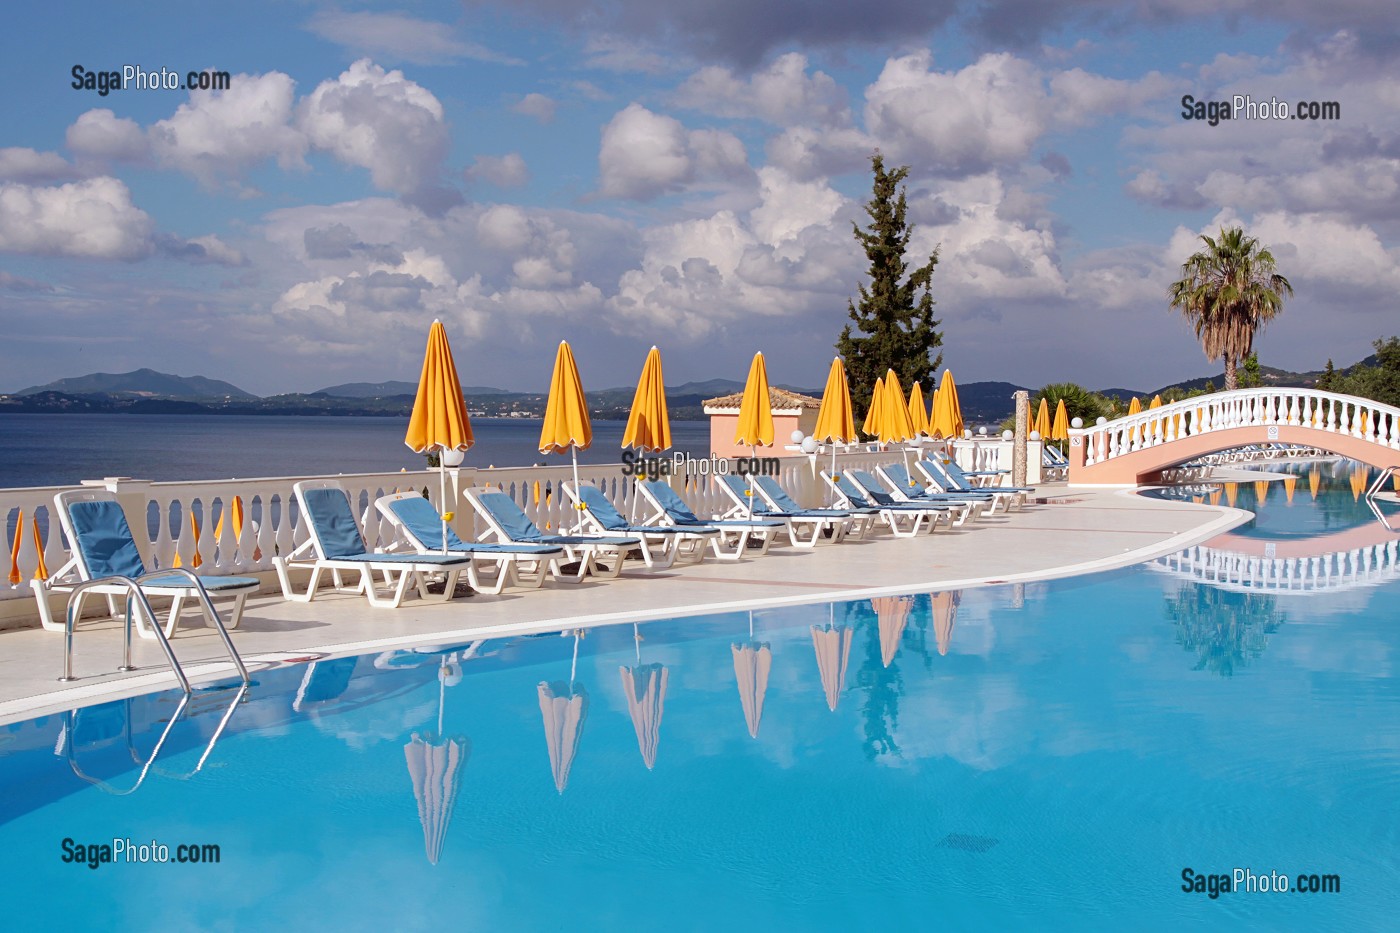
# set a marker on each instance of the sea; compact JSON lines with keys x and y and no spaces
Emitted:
{"x":60,"y":450}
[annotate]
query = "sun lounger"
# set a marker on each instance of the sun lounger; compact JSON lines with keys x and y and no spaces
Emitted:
{"x":902,"y":487}
{"x":1008,"y":497}
{"x":102,"y":546}
{"x":904,"y":519}
{"x":672,"y":543}
{"x":336,"y":544}
{"x":507,"y":523}
{"x":737,"y":538}
{"x":419,"y":524}
{"x":805,"y":527}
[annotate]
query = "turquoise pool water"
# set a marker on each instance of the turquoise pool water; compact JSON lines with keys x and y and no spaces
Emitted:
{"x":1047,"y":756}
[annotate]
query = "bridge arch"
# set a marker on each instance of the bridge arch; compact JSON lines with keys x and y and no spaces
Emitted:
{"x":1136,"y":449}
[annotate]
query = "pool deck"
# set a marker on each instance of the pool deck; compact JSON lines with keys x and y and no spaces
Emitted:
{"x":1064,"y":533}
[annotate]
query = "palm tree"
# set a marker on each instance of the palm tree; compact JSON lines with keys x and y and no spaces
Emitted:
{"x":1079,"y":401}
{"x":1229,"y":291}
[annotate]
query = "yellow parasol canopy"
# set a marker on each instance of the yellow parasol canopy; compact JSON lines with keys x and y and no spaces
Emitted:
{"x":895,"y":427}
{"x":918,"y":417}
{"x":566,"y":422}
{"x":15,"y":576}
{"x":1059,"y":431}
{"x":439,"y":420}
{"x":835,"y":423}
{"x":947,"y":414}
{"x":1042,"y":419}
{"x":872,"y":416}
{"x":1134,"y":406}
{"x":755,"y":427}
{"x":649,"y":424}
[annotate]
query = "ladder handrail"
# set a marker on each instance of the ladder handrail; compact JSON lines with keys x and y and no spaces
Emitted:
{"x":138,"y":596}
{"x":1375,"y":490}
{"x":209,"y":611}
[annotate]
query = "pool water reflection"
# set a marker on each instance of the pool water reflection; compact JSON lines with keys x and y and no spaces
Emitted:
{"x":1052,"y":755}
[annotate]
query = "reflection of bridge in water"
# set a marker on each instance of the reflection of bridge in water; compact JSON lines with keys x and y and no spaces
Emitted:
{"x":1367,"y":555}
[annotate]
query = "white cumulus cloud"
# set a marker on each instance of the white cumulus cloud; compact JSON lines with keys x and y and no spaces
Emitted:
{"x":645,"y":154}
{"x":381,"y":121}
{"x":92,"y":219}
{"x":219,"y":135}
{"x":101,"y":134}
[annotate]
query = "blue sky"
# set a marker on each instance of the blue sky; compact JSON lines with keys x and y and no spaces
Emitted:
{"x":686,"y":175}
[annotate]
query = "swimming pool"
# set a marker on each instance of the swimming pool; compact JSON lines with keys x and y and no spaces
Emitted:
{"x":1051,"y":755}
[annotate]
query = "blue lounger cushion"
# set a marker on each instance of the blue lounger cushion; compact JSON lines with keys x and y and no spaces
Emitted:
{"x":423,"y":522}
{"x":788,"y":505}
{"x":610,"y":518}
{"x":105,"y":539}
{"x":681,"y":514}
{"x":340,"y":536}
{"x":518,"y":527}
{"x":109,"y":550}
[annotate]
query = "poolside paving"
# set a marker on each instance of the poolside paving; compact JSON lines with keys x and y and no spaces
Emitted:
{"x":1067,"y":531}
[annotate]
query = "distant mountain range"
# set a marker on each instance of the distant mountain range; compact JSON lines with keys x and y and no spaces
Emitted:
{"x":148,"y":391}
{"x":143,"y":383}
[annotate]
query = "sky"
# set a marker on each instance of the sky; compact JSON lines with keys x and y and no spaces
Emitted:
{"x":682,"y":174}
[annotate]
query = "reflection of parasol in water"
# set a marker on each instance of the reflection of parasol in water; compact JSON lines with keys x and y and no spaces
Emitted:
{"x":833,"y":646}
{"x":563,"y":706}
{"x":892,"y":613}
{"x":645,"y":687}
{"x":435,"y":766}
{"x":1359,"y":476}
{"x":945,"y":612}
{"x":752,"y":662}
{"x":1290,"y":483}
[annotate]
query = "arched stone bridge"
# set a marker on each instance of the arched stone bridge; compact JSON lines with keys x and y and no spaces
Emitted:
{"x":1136,"y":449}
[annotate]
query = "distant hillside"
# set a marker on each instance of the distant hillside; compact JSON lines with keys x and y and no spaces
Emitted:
{"x":142,"y":383}
{"x":1124,"y":394}
{"x":1270,"y":375}
{"x":396,"y":387}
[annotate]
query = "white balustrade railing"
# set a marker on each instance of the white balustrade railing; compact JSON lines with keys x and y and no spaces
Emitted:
{"x":1325,"y":411}
{"x":192,"y":524}
{"x":1369,"y":565}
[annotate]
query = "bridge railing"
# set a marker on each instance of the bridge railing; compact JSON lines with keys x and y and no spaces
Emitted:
{"x":1325,"y":411}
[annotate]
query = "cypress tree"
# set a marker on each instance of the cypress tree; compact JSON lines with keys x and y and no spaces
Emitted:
{"x":892,"y":326}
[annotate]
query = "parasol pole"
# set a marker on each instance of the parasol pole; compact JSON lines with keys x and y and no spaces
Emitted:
{"x":442,"y":498}
{"x":578,"y":517}
{"x":753,"y":463}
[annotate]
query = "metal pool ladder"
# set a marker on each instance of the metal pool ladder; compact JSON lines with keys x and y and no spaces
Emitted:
{"x":138,"y":598}
{"x":1375,"y":490}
